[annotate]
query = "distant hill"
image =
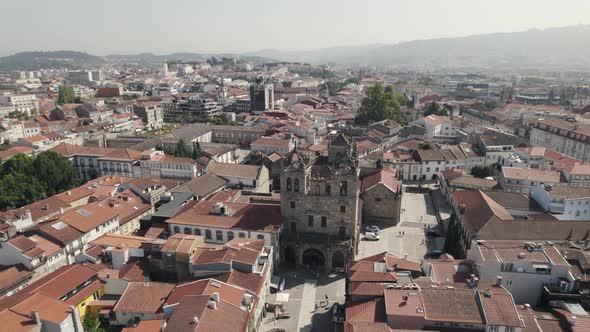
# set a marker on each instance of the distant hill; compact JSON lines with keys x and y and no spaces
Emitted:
{"x":151,"y":59}
{"x":53,"y":59}
{"x":558,"y":48}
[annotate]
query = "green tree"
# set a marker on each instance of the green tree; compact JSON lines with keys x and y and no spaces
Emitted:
{"x":18,"y":189}
{"x":55,"y":173}
{"x":454,"y":240}
{"x":91,"y":323}
{"x":181,"y":149}
{"x":424,"y":146}
{"x":481,"y":171}
{"x":196,"y":151}
{"x":25,"y":179}
{"x":20,"y":163}
{"x":66,"y":95}
{"x":379,"y":104}
{"x":436,"y":109}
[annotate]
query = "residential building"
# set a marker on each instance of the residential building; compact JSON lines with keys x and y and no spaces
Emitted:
{"x":140,"y":301}
{"x":251,"y":177}
{"x":220,"y":221}
{"x":151,"y":114}
{"x":438,"y":126}
{"x":522,"y":268}
{"x":523,"y":180}
{"x":570,"y":138}
{"x":564,"y":203}
{"x":23,"y":103}
{"x":268,"y":145}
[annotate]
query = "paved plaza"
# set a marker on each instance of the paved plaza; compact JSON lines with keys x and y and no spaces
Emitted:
{"x":305,"y":291}
{"x":409,"y":235}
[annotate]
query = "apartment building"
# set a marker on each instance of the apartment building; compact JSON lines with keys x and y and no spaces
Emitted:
{"x":151,"y":114}
{"x":570,"y":138}
{"x":522,"y":268}
{"x":24,"y":103}
{"x":564,"y":203}
{"x":523,"y":180}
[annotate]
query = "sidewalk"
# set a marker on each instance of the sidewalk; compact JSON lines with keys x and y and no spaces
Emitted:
{"x":440,"y":204}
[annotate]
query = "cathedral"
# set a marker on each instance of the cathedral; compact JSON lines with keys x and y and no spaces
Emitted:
{"x":321,"y":208}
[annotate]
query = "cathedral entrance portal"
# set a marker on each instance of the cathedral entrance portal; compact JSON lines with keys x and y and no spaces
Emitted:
{"x":314,"y":258}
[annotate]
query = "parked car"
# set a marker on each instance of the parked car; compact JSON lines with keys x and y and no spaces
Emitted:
{"x":338,"y":313}
{"x":373,"y":229}
{"x":371,"y":236}
{"x":435,"y":253}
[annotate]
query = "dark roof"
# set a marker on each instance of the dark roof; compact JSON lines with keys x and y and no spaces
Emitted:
{"x":204,"y":185}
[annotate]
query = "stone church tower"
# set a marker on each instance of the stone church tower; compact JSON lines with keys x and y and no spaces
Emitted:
{"x":320,"y":207}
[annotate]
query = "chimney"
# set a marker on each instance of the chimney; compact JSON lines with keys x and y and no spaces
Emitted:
{"x":499,"y":281}
{"x":212,"y":305}
{"x":215,"y":296}
{"x":36,"y":317}
{"x":405,"y":255}
{"x":527,"y":307}
{"x":195,"y":320}
{"x":163,"y":326}
{"x":475,"y":281}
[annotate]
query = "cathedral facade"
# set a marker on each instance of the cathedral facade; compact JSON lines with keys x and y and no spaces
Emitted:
{"x":321,"y":208}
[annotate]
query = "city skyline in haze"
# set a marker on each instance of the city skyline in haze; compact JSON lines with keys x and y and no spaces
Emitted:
{"x":233,"y":26}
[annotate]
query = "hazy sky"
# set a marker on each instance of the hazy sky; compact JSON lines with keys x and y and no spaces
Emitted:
{"x":129,"y":26}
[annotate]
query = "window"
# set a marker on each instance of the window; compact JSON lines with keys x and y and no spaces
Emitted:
{"x":292,"y":204}
{"x":293,"y":226}
{"x":187,"y":230}
{"x":219,"y":235}
{"x":310,"y":221}
{"x":342,"y":208}
{"x":260,"y":237}
{"x":197,"y":231}
{"x":176,"y":229}
{"x":343,"y":188}
{"x":377,"y":199}
{"x":230,"y":235}
{"x":342,"y":231}
{"x":328,"y":189}
{"x":289,"y":184}
{"x":296,"y":185}
{"x":577,"y":213}
{"x":208,"y":234}
{"x":324,"y":221}
{"x":242,"y":234}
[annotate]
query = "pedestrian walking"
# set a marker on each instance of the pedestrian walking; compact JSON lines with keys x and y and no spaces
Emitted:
{"x":327,"y":300}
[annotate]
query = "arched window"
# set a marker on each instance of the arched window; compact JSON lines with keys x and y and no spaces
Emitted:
{"x":317,"y":189}
{"x":219,"y":235}
{"x":197,"y":231}
{"x":343,"y":188}
{"x":230,"y":235}
{"x":260,"y":237}
{"x":289,"y":185}
{"x":208,"y":234}
{"x":296,"y":186}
